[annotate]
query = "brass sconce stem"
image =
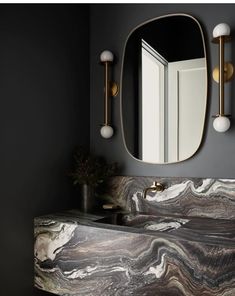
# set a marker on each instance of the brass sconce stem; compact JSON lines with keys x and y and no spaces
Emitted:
{"x":221,"y":75}
{"x":106,"y":94}
{"x":110,"y":89}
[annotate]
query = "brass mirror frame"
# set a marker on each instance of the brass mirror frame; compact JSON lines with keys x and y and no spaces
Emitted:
{"x":121,"y":87}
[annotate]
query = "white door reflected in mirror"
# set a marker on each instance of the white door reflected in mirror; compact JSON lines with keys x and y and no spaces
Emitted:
{"x":164,"y":89}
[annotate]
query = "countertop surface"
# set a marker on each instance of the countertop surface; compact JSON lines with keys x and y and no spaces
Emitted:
{"x":134,"y":254}
{"x":199,"y":229}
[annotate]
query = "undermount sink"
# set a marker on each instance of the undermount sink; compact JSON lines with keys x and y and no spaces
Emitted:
{"x":144,"y":221}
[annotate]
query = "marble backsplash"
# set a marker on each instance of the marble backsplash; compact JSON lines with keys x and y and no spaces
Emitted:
{"x":212,"y":198}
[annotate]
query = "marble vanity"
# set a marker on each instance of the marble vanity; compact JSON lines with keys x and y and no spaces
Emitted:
{"x":177,"y":242}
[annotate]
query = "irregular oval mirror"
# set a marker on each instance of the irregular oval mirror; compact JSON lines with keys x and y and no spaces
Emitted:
{"x":164,"y":89}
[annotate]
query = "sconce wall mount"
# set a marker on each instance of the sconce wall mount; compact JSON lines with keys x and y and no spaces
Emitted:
{"x":221,"y":74}
{"x":228,"y":72}
{"x":110,"y":90}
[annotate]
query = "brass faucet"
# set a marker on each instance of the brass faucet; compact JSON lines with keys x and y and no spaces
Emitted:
{"x":158,"y":187}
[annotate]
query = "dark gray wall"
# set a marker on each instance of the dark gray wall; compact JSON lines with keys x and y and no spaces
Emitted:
{"x":44,"y":113}
{"x":110,"y":26}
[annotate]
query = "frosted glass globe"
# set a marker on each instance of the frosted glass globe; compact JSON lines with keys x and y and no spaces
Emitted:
{"x":106,"y":131}
{"x":221,"y":30}
{"x":106,"y":56}
{"x":221,"y":124}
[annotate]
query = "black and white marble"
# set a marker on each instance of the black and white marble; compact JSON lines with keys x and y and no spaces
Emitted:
{"x":193,"y":256}
{"x":213,"y":198}
{"x":179,"y":242}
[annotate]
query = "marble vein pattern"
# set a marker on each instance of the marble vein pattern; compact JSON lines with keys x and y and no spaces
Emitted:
{"x":214,"y":198}
{"x":88,"y":258}
{"x":178,"y":242}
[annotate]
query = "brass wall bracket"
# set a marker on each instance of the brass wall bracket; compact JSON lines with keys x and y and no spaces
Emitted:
{"x":114,"y":89}
{"x":228,"y":72}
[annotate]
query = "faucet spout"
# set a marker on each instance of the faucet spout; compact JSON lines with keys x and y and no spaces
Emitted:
{"x":157,"y":187}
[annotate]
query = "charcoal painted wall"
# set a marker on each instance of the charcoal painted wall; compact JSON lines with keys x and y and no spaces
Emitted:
{"x":44,"y":113}
{"x":110,"y":26}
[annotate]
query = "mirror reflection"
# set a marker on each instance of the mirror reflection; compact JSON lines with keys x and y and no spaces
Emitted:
{"x":164,"y":85}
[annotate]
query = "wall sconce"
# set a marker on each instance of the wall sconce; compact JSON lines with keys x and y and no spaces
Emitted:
{"x":222,"y":74}
{"x":110,"y":90}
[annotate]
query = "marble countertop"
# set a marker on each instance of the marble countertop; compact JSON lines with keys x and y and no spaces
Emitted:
{"x":154,"y":254}
{"x":204,"y":230}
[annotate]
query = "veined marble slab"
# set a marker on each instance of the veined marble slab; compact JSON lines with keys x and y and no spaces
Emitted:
{"x":214,"y":198}
{"x":79,"y":257}
{"x":178,"y":251}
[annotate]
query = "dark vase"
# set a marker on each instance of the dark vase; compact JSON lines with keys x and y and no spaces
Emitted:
{"x":87,"y":198}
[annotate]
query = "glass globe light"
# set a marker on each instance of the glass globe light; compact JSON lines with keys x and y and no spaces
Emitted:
{"x":221,"y":124}
{"x":221,"y":30}
{"x":106,"y":131}
{"x":106,"y":56}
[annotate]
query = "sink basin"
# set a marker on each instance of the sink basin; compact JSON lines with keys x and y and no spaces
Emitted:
{"x":145,"y":221}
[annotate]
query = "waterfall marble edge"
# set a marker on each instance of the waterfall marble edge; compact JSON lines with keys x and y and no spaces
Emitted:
{"x":178,"y":242}
{"x":79,"y":256}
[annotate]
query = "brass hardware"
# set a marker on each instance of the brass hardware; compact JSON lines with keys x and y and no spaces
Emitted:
{"x":217,"y":115}
{"x":223,"y":73}
{"x":110,"y":90}
{"x":228,"y":72}
{"x":217,"y":39}
{"x":113,"y":89}
{"x":158,"y":187}
{"x":106,"y":93}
